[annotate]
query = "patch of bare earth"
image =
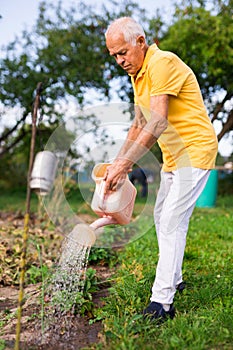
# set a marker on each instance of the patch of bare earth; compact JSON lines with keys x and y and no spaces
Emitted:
{"x":80,"y":333}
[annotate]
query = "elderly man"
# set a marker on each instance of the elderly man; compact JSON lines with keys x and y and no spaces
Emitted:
{"x":169,"y":109}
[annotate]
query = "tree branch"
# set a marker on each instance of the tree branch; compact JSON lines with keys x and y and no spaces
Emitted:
{"x":219,"y":106}
{"x":9,"y":132}
{"x":226,"y":127}
{"x":13,"y":144}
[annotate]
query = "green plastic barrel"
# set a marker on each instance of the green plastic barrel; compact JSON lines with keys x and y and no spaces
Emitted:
{"x":208,"y":197}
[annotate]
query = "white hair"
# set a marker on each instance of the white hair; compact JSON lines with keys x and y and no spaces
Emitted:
{"x":126,"y":26}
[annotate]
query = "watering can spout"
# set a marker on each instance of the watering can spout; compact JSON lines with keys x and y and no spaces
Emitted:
{"x":104,"y":221}
{"x":85,"y":234}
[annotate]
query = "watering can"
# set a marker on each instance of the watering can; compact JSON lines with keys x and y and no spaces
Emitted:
{"x":113,"y":208}
{"x":118,"y":204}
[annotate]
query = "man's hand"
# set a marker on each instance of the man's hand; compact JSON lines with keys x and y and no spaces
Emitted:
{"x":115,"y":176}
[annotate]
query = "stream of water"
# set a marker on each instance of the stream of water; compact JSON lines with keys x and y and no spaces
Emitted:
{"x":64,"y":292}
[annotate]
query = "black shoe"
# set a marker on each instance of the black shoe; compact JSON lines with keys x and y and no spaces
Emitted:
{"x":180,"y":287}
{"x":155,"y":311}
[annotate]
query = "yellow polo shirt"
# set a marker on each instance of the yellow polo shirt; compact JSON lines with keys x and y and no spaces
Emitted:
{"x":189,"y":139}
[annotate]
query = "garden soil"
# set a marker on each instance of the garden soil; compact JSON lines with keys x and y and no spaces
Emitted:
{"x":82,"y":333}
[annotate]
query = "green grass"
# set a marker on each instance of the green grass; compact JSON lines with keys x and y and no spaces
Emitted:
{"x":204,"y":310}
{"x":12,"y":200}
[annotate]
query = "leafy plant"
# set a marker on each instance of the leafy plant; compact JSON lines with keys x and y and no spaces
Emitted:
{"x":34,"y":274}
{"x":102,"y":256}
{"x":84,"y":302}
{"x":74,"y":298}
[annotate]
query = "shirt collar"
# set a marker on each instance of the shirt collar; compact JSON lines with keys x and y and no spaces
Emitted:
{"x":151,"y":50}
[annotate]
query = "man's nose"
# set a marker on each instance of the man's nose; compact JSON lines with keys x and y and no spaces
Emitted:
{"x":120,"y":59}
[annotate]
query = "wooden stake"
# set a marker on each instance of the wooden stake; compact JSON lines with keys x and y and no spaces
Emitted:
{"x":26,"y":219}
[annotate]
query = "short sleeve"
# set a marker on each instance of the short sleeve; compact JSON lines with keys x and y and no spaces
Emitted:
{"x":167,"y":75}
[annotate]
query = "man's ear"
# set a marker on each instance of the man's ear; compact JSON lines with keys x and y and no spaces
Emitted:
{"x":140,"y":41}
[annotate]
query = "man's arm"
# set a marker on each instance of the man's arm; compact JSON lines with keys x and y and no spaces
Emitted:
{"x":138,"y":124}
{"x":141,"y":137}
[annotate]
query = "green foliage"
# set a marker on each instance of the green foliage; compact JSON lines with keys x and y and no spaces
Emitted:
{"x":102,"y":256}
{"x":225,"y":185}
{"x":2,"y":344}
{"x":84,"y":302}
{"x":209,"y":56}
{"x":189,"y":38}
{"x":14,"y":199}
{"x":14,"y":165}
{"x":77,"y":302}
{"x":34,"y":274}
{"x":66,"y":52}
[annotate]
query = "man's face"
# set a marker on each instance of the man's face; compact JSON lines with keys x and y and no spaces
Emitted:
{"x":129,"y":57}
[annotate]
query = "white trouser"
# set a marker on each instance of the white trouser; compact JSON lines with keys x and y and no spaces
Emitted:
{"x":177,"y":195}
